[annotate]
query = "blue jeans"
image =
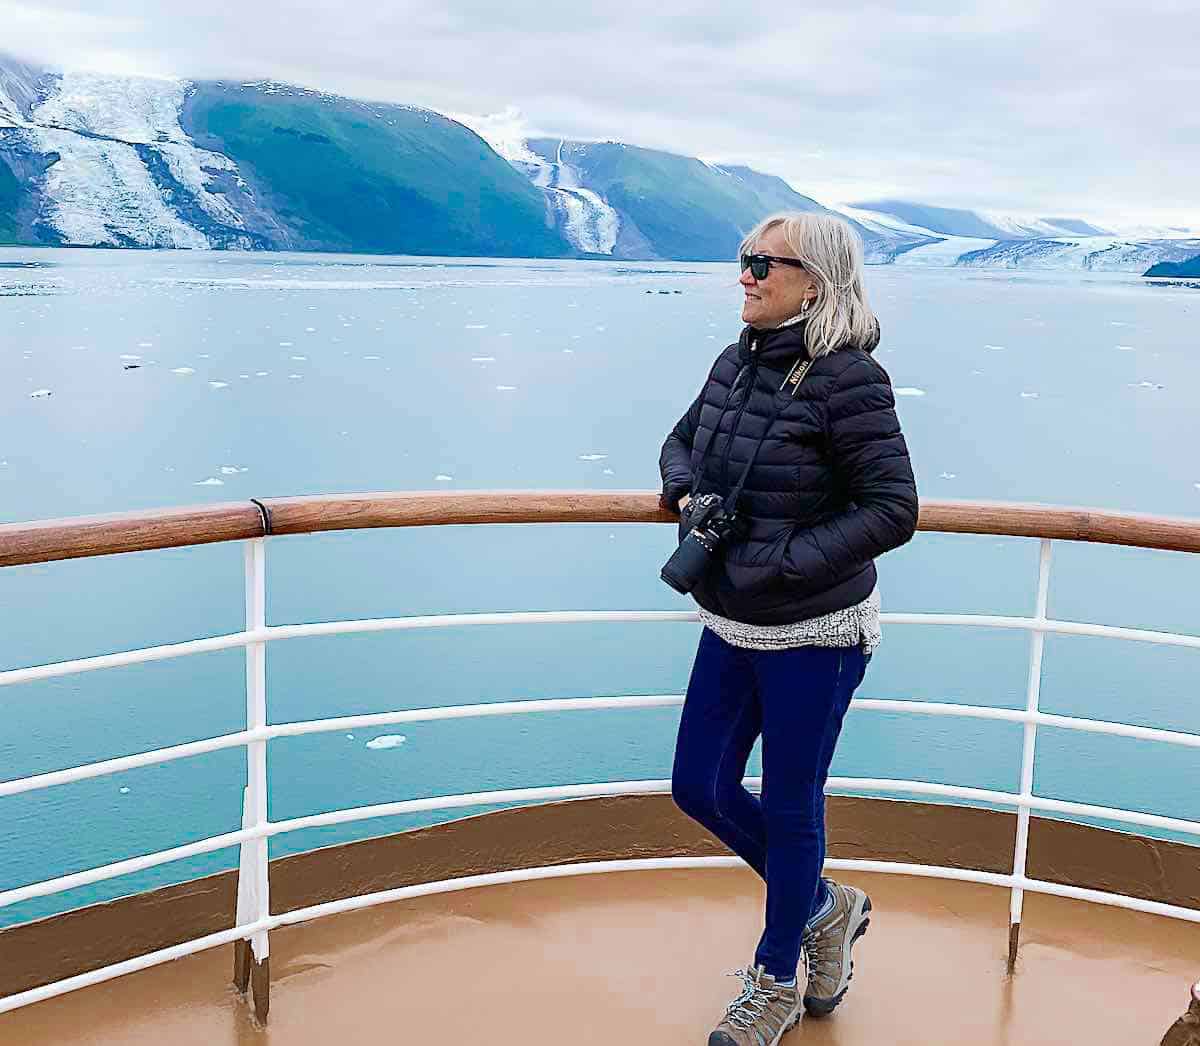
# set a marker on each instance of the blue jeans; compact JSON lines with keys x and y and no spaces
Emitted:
{"x":796,"y":699}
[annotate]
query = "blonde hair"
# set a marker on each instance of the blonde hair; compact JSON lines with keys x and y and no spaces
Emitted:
{"x":832,"y":253}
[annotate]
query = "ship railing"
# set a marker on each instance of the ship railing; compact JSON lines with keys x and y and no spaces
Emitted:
{"x":255,"y":522}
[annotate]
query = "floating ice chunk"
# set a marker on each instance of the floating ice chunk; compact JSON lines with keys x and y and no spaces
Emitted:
{"x":231,"y":470}
{"x":1196,"y":485}
{"x":1119,"y":323}
{"x":947,"y":475}
{"x":1125,"y":348}
{"x":218,"y":384}
{"x":123,"y":790}
{"x":129,"y":356}
{"x":183,"y":370}
{"x":609,"y":472}
{"x":212,"y":481}
{"x":476,"y":326}
{"x":295,"y":375}
{"x":506,"y":388}
{"x":285,"y":344}
{"x":261,"y":373}
{"x":905,"y":390}
{"x":592,"y":457}
{"x":310,"y":330}
{"x":39,"y":394}
{"x":1146,"y":385}
{"x":1029,"y":395}
{"x":995,"y":348}
{"x":569,"y":352}
{"x":145,"y":344}
{"x":243,"y":375}
{"x":299,"y":358}
{"x":483,"y":359}
{"x":506,"y":334}
{"x":372,"y":357}
{"x":441,"y":477}
{"x":387,"y":741}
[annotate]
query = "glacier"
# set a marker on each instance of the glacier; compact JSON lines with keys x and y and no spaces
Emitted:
{"x":589,"y":223}
{"x":119,"y":168}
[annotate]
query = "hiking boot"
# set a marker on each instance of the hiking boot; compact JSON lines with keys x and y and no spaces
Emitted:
{"x":827,"y":942}
{"x":760,"y":1014}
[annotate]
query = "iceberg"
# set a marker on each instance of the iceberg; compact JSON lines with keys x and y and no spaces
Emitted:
{"x":386,"y":741}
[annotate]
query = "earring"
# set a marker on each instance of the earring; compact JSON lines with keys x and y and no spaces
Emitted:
{"x":805,"y":306}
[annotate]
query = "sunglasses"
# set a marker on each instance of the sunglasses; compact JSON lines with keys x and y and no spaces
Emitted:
{"x":760,"y":264}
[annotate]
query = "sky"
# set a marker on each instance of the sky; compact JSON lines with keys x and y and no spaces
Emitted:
{"x":1071,"y":108}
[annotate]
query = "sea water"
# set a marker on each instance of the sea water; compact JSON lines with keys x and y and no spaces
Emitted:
{"x":139,"y":380}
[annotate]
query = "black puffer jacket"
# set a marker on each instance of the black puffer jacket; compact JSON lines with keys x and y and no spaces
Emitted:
{"x":831,"y":489}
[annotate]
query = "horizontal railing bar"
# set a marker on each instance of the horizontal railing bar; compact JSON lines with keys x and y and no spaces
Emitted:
{"x":541,"y":706}
{"x":54,"y":539}
{"x":532,"y":617}
{"x":140,"y":962}
{"x":126,"y":657}
{"x":127,"y":867}
{"x":362,"y":901}
{"x":79,"y":537}
{"x":1050,"y":625}
{"x":493,"y":708}
{"x":560,"y":792}
{"x":327,"y":628}
{"x":130,"y":762}
{"x":389,"y":624}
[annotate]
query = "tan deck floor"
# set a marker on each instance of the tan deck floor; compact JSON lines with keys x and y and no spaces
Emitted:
{"x":638,"y":958}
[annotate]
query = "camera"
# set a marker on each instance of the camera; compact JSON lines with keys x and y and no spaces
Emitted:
{"x":709,"y":527}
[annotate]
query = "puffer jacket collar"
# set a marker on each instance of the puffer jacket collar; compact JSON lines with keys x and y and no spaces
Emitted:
{"x":780,"y":347}
{"x":777,"y":347}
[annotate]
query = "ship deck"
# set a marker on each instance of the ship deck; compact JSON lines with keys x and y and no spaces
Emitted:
{"x":639,"y":958}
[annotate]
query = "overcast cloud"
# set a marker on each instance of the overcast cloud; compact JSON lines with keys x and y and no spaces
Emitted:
{"x":1070,"y":108}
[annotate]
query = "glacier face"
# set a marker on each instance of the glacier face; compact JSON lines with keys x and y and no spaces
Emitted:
{"x":586,"y":219}
{"x":1094,"y":253}
{"x":119,"y":168}
{"x":590,"y":223}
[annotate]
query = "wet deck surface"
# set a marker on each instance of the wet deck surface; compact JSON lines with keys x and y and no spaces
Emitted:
{"x":638,"y":958}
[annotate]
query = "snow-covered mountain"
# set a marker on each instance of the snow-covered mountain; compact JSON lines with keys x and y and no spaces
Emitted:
{"x":99,"y":160}
{"x":625,"y":201}
{"x":985,"y":225}
{"x":91,"y":159}
{"x":989,"y":239}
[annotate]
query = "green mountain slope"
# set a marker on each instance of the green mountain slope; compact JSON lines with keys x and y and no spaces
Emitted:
{"x":334,"y":174}
{"x":683,"y":208}
{"x":10,"y":200}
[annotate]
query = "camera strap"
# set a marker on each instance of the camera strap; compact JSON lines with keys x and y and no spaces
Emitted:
{"x":794,"y":377}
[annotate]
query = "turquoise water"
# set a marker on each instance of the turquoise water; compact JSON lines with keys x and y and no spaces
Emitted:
{"x":397,"y":386}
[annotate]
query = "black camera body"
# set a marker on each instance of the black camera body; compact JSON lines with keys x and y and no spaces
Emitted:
{"x":709,"y":527}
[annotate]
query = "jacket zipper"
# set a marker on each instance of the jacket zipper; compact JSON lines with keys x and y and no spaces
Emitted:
{"x":738,"y":416}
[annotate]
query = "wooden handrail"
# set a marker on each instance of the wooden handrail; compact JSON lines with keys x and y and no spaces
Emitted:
{"x":84,"y":536}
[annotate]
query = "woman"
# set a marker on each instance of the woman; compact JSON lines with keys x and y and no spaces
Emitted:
{"x":788,"y":598}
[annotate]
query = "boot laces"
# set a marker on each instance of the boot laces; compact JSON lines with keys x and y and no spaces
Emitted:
{"x":751,"y":1005}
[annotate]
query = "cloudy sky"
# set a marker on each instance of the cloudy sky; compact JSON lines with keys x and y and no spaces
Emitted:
{"x":1065,"y":108}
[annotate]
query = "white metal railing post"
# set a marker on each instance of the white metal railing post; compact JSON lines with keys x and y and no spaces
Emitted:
{"x":254,"y":895}
{"x":1033,"y":697}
